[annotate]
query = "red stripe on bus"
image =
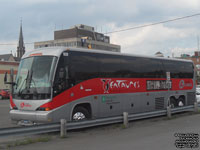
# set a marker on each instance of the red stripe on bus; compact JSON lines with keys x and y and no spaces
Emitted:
{"x":99,"y":86}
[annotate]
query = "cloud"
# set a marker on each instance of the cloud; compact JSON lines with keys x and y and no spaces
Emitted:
{"x":31,"y":2}
{"x":4,"y":48}
{"x":42,"y":17}
{"x":179,"y":4}
{"x":149,"y":40}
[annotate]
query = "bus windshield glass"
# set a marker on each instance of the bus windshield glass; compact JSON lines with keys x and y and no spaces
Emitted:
{"x":34,"y":78}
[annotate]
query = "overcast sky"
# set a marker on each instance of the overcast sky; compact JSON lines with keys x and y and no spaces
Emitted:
{"x":42,"y":17}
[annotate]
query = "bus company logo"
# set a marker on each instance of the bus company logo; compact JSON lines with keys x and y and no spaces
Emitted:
{"x":22,"y":105}
{"x":181,"y":84}
{"x":109,"y":84}
{"x":106,"y":85}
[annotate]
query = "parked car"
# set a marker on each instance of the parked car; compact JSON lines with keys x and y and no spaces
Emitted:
{"x":4,"y":94}
{"x":198,"y":94}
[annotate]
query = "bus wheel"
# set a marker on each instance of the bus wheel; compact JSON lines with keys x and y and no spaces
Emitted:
{"x":181,"y":101}
{"x":80,"y":113}
{"x":173,"y":102}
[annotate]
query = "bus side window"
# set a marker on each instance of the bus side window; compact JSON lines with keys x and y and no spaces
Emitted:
{"x":62,"y":81}
{"x":61,"y":77}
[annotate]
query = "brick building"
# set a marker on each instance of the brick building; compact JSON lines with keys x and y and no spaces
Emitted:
{"x":196,"y":61}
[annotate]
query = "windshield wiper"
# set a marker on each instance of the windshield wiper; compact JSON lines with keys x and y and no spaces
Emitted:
{"x":32,"y":81}
{"x":28,"y":82}
{"x":20,"y":89}
{"x":29,"y":79}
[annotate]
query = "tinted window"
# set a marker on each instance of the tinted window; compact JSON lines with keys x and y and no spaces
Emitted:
{"x":151,"y":68}
{"x":129,"y":67}
{"x":61,"y":81}
{"x":83,"y":66}
{"x":178,"y":69}
{"x":109,"y":66}
{"x":188,"y":67}
{"x":138,"y":67}
{"x":172,"y":67}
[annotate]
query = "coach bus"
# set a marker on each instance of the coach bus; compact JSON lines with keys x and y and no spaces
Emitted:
{"x":76,"y":84}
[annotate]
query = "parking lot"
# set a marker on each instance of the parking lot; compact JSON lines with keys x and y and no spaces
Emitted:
{"x":149,"y":134}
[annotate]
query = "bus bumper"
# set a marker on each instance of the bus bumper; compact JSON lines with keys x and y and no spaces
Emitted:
{"x":30,"y":117}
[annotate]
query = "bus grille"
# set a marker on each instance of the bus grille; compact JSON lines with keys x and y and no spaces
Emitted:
{"x":191,"y":98}
{"x":159,"y":103}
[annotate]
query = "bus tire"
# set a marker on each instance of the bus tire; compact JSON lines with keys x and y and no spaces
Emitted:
{"x":173,"y":102}
{"x":80,"y":113}
{"x":181,"y":101}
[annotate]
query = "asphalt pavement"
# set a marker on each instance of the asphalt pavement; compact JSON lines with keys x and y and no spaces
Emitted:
{"x":149,"y":134}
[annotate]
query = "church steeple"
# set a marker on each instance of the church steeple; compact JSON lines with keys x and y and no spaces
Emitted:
{"x":20,"y":47}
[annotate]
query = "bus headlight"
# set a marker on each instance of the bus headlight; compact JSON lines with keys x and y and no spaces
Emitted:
{"x":43,"y":109}
{"x":15,"y":108}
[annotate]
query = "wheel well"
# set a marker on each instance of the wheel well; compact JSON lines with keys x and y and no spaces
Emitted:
{"x":178,"y":98}
{"x":86,"y":106}
{"x":172,"y":97}
{"x":182,"y":96}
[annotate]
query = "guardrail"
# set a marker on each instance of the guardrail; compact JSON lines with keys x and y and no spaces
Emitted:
{"x":54,"y":127}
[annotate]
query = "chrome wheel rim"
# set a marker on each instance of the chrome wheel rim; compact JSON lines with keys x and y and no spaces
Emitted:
{"x":78,"y":116}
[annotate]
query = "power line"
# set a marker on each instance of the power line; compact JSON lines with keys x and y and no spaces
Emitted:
{"x":132,"y":28}
{"x":29,"y":43}
{"x":8,"y":44}
{"x":153,"y":24}
{"x":14,"y":43}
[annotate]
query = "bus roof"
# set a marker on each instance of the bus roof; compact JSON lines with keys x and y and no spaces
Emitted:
{"x":56,"y":51}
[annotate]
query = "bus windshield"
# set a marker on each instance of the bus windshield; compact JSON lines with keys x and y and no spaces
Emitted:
{"x":34,"y":78}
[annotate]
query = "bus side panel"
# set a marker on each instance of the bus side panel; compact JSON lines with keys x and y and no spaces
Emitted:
{"x":62,"y":112}
{"x":108,"y":105}
{"x":113,"y":103}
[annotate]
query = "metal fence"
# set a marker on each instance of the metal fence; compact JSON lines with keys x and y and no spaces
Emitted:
{"x":54,"y":127}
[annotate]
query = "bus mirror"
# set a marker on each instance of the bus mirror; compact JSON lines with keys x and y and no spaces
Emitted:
{"x":5,"y":78}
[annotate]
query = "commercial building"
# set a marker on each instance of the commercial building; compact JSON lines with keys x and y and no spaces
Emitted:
{"x":80,"y":36}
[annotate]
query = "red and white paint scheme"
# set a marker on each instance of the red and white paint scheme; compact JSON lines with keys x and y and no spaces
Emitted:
{"x":76,"y":84}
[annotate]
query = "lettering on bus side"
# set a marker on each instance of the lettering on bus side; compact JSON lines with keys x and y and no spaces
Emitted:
{"x":109,"y":99}
{"x":109,"y":84}
{"x":158,"y":84}
{"x":22,"y":105}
